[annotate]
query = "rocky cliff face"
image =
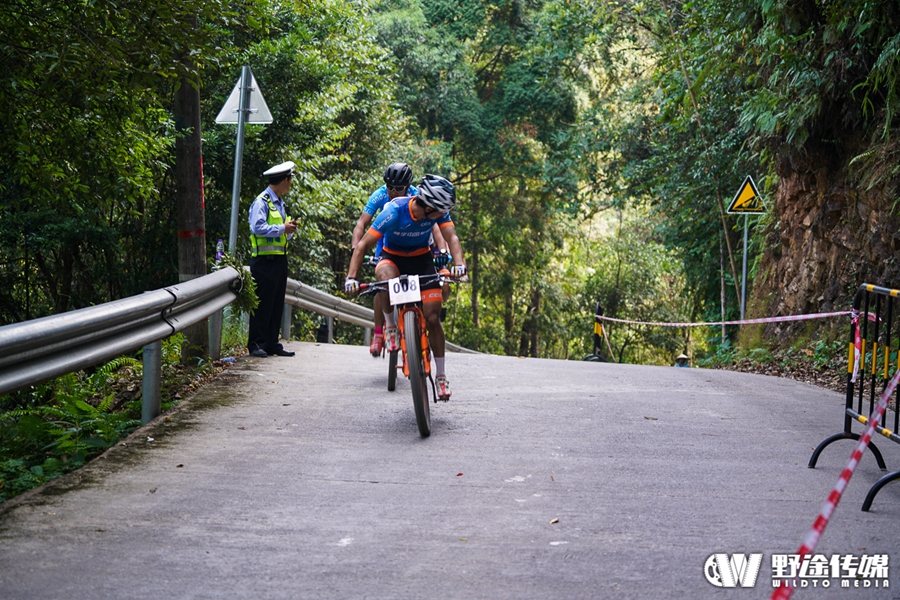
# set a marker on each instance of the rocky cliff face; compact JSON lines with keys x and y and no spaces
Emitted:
{"x":829,"y":238}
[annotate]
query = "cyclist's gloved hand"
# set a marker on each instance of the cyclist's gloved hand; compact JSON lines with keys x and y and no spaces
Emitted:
{"x":442,"y":258}
{"x":458,"y":271}
{"x":351,"y":285}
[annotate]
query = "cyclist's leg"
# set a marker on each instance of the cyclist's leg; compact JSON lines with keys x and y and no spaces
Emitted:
{"x":377,"y":304}
{"x":387,"y":269}
{"x":377,"y":344}
{"x":379,"y":315}
{"x":431,"y":307}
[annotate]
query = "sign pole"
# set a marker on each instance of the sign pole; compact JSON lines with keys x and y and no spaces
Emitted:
{"x":745,"y":202}
{"x":744,"y":274}
{"x":239,"y":157}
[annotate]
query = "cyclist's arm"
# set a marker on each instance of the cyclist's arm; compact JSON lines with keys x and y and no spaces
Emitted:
{"x":366,"y":243}
{"x":439,"y":240}
{"x":358,"y":231}
{"x":448,"y":232}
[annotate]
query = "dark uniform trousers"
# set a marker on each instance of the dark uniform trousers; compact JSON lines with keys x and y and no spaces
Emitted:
{"x":270,"y":274}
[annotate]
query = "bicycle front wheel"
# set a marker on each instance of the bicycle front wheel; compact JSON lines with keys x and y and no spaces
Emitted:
{"x":417,"y":371}
{"x":392,"y":370}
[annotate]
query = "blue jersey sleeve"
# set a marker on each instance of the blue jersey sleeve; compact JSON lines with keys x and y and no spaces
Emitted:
{"x":377,"y":201}
{"x":380,"y":197}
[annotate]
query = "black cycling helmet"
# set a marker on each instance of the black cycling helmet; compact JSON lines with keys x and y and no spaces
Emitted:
{"x":398,"y":174}
{"x":437,"y":193}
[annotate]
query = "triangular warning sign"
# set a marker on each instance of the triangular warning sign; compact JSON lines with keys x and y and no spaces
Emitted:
{"x":258,"y":110}
{"x":747,"y":200}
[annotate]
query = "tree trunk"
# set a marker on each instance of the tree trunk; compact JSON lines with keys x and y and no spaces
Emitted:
{"x":509,"y":324}
{"x":473,"y":277}
{"x":189,"y":198}
{"x":473,"y":264}
{"x":535,"y":322}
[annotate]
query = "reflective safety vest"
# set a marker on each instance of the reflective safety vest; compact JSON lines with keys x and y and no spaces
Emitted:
{"x":262,"y":246}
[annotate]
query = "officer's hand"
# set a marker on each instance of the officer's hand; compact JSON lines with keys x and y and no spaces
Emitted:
{"x":458,"y":271}
{"x":290,"y":227}
{"x":351,"y":285}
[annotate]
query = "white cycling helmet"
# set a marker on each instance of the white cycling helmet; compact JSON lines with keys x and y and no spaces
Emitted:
{"x":437,"y":193}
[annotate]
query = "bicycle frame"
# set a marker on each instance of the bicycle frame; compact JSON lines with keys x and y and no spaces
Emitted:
{"x":402,"y":309}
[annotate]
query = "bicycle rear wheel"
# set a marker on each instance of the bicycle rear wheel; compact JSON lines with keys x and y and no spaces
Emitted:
{"x":392,"y":370}
{"x":417,"y":371}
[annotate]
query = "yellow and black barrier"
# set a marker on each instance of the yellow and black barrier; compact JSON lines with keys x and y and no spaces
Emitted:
{"x":871,"y":361}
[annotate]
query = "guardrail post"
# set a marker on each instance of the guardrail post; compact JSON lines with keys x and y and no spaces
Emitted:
{"x":330,"y":329}
{"x":152,"y":374}
{"x":367,"y":336}
{"x":215,"y":335}
{"x":286,"y":322}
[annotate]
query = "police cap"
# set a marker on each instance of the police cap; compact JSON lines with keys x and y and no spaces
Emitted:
{"x":279,"y":171}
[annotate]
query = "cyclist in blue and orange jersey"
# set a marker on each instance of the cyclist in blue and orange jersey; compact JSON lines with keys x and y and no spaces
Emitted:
{"x":397,"y":179}
{"x":405,"y":226}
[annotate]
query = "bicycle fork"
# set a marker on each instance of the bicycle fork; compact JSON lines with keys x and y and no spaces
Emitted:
{"x":423,"y":342}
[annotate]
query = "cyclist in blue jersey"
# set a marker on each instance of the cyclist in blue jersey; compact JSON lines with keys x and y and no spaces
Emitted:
{"x":405,"y":225}
{"x":397,"y":179}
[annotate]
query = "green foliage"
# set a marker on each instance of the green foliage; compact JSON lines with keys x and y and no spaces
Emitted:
{"x":87,"y":144}
{"x":545,"y":114}
{"x":58,"y":426}
{"x":830,"y":354}
{"x":246,"y":300}
{"x":721,"y":354}
{"x":760,"y":355}
{"x":498,"y":84}
{"x":43,"y":441}
{"x":87,"y":212}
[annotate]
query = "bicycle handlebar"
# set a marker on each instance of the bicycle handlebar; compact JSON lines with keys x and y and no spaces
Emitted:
{"x":376,"y":286}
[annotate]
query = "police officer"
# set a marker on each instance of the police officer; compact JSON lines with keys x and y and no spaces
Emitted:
{"x":270,"y":229}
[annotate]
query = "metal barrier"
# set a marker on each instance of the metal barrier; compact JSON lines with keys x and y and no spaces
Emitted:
{"x":869,"y":368}
{"x":41,"y":349}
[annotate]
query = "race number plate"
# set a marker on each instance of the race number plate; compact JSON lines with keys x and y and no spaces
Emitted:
{"x":403,"y":291}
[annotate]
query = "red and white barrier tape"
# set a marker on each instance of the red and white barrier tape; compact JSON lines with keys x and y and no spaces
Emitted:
{"x":857,"y":342}
{"x":812,"y":538}
{"x":744,"y":322}
{"x":857,"y":348}
{"x":856,"y":314}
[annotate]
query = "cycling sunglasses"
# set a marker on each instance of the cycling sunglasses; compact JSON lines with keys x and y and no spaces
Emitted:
{"x":398,"y":188}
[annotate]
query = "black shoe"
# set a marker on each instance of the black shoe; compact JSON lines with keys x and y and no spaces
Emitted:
{"x":260,"y":353}
{"x":282,"y":353}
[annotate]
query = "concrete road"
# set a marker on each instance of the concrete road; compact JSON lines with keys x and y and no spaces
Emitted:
{"x":305,"y":478}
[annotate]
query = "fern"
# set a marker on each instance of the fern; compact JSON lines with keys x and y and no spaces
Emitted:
{"x":70,"y":427}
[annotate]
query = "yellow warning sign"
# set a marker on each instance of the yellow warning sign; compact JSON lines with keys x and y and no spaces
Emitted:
{"x":747,"y":200}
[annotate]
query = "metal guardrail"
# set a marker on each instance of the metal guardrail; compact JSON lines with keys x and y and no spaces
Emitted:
{"x":41,"y":349}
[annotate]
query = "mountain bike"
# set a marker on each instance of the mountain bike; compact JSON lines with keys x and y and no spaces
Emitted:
{"x":405,"y":295}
